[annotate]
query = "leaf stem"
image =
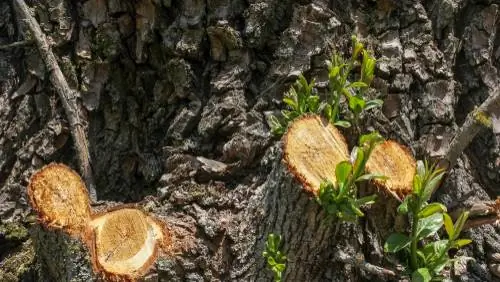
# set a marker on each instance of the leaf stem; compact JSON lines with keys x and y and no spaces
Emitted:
{"x":414,"y":239}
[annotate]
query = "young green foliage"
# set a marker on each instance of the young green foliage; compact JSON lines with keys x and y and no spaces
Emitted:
{"x":427,"y":262}
{"x":276,"y":260}
{"x":302,"y":97}
{"x":339,"y":72}
{"x":340,"y":199}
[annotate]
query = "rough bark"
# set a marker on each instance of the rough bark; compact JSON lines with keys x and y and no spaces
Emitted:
{"x":67,"y":96}
{"x":177,"y":94}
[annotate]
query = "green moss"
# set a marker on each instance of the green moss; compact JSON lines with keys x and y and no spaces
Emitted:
{"x":14,"y":231}
{"x":483,"y":118}
{"x":17,"y":263}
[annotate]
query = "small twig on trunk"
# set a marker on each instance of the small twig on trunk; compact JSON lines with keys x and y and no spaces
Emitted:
{"x":475,"y":121}
{"x":480,"y":213}
{"x":17,"y":44}
{"x":67,"y":95}
{"x":360,"y":263}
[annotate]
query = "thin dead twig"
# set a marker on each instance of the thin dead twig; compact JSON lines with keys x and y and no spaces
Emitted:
{"x":17,"y":44}
{"x":67,"y":95}
{"x":475,"y":121}
{"x":360,"y":263}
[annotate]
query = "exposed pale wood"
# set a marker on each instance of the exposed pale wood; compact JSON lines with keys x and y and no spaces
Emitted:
{"x":395,"y":162}
{"x":312,"y":149}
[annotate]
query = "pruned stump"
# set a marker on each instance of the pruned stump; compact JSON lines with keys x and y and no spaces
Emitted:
{"x":395,"y":161}
{"x":311,"y":149}
{"x":317,"y":248}
{"x":74,"y":243}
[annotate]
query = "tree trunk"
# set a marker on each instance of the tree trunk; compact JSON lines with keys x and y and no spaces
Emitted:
{"x":176,"y":94}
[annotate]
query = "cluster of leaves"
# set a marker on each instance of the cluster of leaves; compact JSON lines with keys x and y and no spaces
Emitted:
{"x":303,"y":97}
{"x":425,"y":256}
{"x":339,"y":70}
{"x":276,"y":260}
{"x":340,"y":199}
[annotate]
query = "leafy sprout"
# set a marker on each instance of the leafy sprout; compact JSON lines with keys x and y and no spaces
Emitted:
{"x":276,"y":260}
{"x":427,"y":262}
{"x":302,"y":97}
{"x":339,"y":72}
{"x":340,"y":199}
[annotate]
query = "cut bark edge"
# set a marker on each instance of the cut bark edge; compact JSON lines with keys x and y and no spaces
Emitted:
{"x":301,"y":126}
{"x":158,"y":240}
{"x":400,"y":184}
{"x":403,"y":164}
{"x":42,"y":182}
{"x":58,"y":195}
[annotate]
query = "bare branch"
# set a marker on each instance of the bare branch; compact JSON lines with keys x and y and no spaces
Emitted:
{"x":480,"y":213}
{"x":360,"y":263}
{"x":17,"y":44}
{"x":67,"y":95}
{"x":475,"y":121}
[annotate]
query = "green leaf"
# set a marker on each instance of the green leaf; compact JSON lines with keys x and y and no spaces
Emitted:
{"x":272,"y":239}
{"x":334,"y":71}
{"x":354,"y":155}
{"x":421,"y":168}
{"x":356,"y":104}
{"x":422,"y":257}
{"x":431,"y":185}
{"x":417,"y":185}
{"x":342,"y":123}
{"x":270,"y":261}
{"x":403,"y":207}
{"x":346,"y":93}
{"x":359,"y":159}
{"x":374,"y":104}
{"x":421,"y":275}
{"x":279,"y":267}
{"x":358,"y":84}
{"x":331,"y":209}
{"x":355,"y":209}
{"x":313,"y":102}
{"x":328,"y":112}
{"x":396,"y":242}
{"x":436,"y":247}
{"x":342,"y":171}
{"x":461,"y":242}
{"x":370,"y":138}
{"x":429,"y":225}
{"x":368,"y":200}
{"x":440,"y":263}
{"x":367,"y":67}
{"x":431,"y":209}
{"x":291,"y":102}
{"x":276,"y":127}
{"x":448,"y":225}
{"x":370,"y":176}
{"x":357,"y":47}
{"x":459,"y":224}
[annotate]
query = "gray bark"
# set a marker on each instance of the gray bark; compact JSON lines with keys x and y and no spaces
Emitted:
{"x":66,"y":95}
{"x":164,"y":83}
